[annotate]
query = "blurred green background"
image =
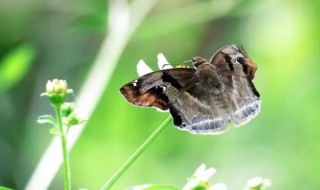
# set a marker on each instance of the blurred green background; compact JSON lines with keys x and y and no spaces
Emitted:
{"x":41,"y":40}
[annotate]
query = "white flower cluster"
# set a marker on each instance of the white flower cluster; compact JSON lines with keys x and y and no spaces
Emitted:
{"x":143,"y":68}
{"x":201,"y":177}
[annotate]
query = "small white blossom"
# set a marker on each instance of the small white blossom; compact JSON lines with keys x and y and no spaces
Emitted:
{"x":219,"y":186}
{"x":56,"y":86}
{"x":201,"y":178}
{"x":143,"y":68}
{"x":162,"y":62}
{"x":258,"y":183}
{"x":49,"y":86}
{"x":57,"y":91}
{"x":140,"y":187}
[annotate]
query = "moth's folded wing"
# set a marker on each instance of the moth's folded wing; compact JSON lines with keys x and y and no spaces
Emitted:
{"x":156,"y":88}
{"x":199,"y":123}
{"x":237,"y":78}
{"x":245,"y":102}
{"x":197,"y":111}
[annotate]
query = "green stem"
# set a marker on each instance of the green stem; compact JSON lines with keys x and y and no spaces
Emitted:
{"x":136,"y":154}
{"x":66,"y":165}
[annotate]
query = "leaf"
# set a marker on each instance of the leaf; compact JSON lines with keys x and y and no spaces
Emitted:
{"x":153,"y":187}
{"x":78,"y":122}
{"x":73,"y":119}
{"x":5,"y":188}
{"x":45,"y":94}
{"x":15,"y":65}
{"x":43,"y":119}
{"x":54,"y":131}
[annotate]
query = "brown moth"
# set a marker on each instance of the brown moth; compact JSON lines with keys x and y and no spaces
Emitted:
{"x":204,"y":99}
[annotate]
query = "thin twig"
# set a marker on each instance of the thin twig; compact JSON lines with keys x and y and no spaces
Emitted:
{"x":136,"y":154}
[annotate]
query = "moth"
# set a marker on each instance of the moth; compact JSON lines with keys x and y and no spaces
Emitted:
{"x":204,"y":99}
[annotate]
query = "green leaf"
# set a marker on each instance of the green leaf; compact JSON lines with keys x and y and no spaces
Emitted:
{"x":72,"y":119}
{"x":44,"y":94}
{"x":199,"y":188}
{"x":78,"y":121}
{"x":5,"y":188}
{"x":43,"y":119}
{"x":54,"y":131}
{"x":153,"y":187}
{"x":15,"y":65}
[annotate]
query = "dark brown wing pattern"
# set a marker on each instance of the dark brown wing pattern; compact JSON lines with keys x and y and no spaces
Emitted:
{"x":206,"y":99}
{"x":157,"y":88}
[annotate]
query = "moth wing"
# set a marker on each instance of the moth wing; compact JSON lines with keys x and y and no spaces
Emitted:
{"x":245,"y":102}
{"x":236,"y":71}
{"x":157,"y":88}
{"x":234,"y":58}
{"x":178,"y":90}
{"x":199,"y":112}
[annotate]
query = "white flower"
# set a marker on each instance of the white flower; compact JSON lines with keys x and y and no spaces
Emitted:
{"x":143,"y":68}
{"x":57,"y":91}
{"x":140,"y":187}
{"x":49,"y":86}
{"x":257,"y":183}
{"x":162,"y":62}
{"x":219,"y":186}
{"x":56,"y":86}
{"x":201,"y":178}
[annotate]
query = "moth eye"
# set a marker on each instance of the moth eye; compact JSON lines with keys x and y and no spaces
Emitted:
{"x":237,"y":60}
{"x":195,"y":62}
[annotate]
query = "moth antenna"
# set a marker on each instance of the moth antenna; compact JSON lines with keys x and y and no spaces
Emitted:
{"x":188,"y":61}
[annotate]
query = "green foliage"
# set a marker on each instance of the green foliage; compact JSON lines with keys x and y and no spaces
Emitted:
{"x":15,"y":65}
{"x":47,"y":119}
{"x":5,"y":188}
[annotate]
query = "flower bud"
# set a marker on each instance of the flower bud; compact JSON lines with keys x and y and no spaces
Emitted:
{"x":67,"y":108}
{"x":72,"y":119}
{"x":57,"y":91}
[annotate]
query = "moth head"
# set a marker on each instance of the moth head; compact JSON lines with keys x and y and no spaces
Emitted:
{"x":197,"y":61}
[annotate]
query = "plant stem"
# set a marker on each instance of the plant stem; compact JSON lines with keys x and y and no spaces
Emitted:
{"x":66,"y":165}
{"x":136,"y":154}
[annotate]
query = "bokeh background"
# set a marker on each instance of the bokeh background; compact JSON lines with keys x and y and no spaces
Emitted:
{"x":41,"y":40}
